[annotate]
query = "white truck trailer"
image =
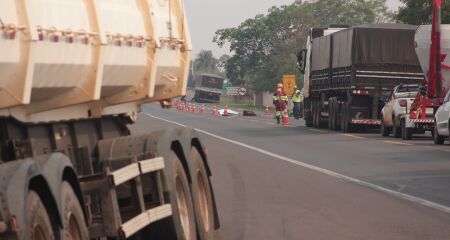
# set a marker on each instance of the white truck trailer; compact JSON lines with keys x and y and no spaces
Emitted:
{"x":73,"y":75}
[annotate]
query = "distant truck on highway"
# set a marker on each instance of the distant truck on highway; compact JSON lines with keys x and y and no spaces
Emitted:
{"x":347,"y":71}
{"x":73,"y":77}
{"x":208,"y":88}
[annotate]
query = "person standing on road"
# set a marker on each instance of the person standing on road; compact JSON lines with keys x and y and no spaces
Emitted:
{"x":297,"y":100}
{"x":280,"y":100}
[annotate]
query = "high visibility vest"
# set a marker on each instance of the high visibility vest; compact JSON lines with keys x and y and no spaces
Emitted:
{"x":297,"y":98}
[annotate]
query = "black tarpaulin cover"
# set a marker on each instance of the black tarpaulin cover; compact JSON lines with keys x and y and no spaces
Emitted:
{"x":370,"y":44}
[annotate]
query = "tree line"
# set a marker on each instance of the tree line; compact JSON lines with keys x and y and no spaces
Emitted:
{"x":264,"y":47}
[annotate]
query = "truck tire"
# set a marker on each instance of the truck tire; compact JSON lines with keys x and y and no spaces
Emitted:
{"x":202,"y":196}
{"x":335,"y":115}
{"x":181,"y":200}
{"x":406,"y":132}
{"x":314,"y":114}
{"x":181,"y":225}
{"x":330,"y":114}
{"x":396,"y":130}
{"x":74,"y":224}
{"x":39,"y":226}
{"x":384,"y":130}
{"x":345,"y":125}
{"x":437,"y":139}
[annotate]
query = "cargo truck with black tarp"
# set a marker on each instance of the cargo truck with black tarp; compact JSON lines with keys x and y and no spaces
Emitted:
{"x":347,"y":73}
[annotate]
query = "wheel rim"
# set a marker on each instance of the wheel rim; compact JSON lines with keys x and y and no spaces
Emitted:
{"x":38,"y":232}
{"x":203,"y":201}
{"x":74,"y":229}
{"x":182,"y":207}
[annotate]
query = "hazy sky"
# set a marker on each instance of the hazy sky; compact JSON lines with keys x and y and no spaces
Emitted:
{"x":207,"y":16}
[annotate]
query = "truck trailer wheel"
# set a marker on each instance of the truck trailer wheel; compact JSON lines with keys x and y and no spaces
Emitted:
{"x":345,"y":125}
{"x":181,"y":200}
{"x":73,"y":219}
{"x":181,"y":225}
{"x":39,"y":226}
{"x":202,"y":196}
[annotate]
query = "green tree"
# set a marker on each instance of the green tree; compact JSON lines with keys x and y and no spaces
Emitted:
{"x":419,"y":12}
{"x":205,"y":62}
{"x":264,"y":47}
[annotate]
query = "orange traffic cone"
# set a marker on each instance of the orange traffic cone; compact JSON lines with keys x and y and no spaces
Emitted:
{"x":285,"y":118}
{"x":266,"y":111}
{"x":202,"y":108}
{"x":194,"y":108}
{"x":225,"y":111}
{"x":214,"y":111}
{"x":189,"y":108}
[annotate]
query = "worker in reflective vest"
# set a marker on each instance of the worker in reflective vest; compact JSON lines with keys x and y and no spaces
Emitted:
{"x":280,"y":100}
{"x":297,"y":100}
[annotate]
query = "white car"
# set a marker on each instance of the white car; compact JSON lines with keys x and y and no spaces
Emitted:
{"x":396,"y":106}
{"x":442,"y":121}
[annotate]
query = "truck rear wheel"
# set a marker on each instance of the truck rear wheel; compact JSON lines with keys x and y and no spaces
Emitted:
{"x":73,"y":218}
{"x":384,"y":130}
{"x":181,"y":225}
{"x":39,"y":226}
{"x":345,"y":125}
{"x":202,"y":196}
{"x":330,"y":114}
{"x":182,"y":208}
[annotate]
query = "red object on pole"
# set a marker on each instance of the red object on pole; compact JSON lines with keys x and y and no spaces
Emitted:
{"x":266,"y":111}
{"x":434,"y":72}
{"x":285,"y":118}
{"x":435,"y":95}
{"x":225,"y":111}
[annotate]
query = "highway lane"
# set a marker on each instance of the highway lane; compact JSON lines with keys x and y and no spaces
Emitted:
{"x":262,"y":197}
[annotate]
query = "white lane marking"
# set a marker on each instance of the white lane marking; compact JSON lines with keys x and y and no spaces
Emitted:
{"x":398,"y":143}
{"x":353,"y":136}
{"x":317,"y":130}
{"x":404,"y":196}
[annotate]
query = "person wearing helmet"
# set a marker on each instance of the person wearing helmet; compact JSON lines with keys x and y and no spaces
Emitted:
{"x":297,"y":100}
{"x":280,"y":100}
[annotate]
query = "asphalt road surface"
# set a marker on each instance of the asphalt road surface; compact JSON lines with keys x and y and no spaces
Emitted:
{"x":294,"y":182}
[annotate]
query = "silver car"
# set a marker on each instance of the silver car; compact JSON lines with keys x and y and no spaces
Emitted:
{"x":442,"y":121}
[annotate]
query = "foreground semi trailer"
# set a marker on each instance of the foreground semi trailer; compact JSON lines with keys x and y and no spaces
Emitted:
{"x":73,"y":75}
{"x":347,"y":72}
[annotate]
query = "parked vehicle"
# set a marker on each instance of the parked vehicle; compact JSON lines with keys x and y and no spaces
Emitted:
{"x":348,"y":71}
{"x":442,"y":121}
{"x":208,"y":88}
{"x":435,"y":64}
{"x":397,"y":105}
{"x":73,"y":76}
